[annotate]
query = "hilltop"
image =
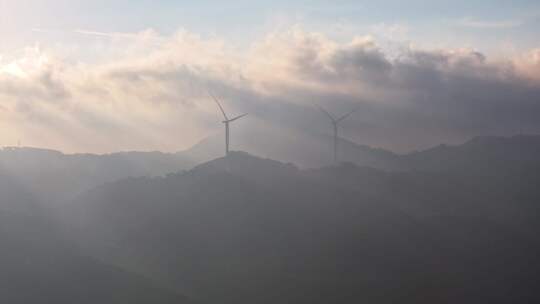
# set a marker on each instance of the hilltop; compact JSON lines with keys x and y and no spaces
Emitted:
{"x":247,"y":229}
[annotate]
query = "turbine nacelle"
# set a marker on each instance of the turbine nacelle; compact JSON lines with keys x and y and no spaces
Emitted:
{"x":233,"y":119}
{"x":334,"y":120}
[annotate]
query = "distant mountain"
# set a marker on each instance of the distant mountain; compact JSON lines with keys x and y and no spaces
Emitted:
{"x":244,"y":229}
{"x":482,"y":152}
{"x":40,"y":266}
{"x":309,"y":150}
{"x":306,"y":150}
{"x":57,"y":177}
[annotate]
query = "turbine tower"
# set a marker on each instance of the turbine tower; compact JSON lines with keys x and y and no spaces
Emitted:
{"x":335,"y":123}
{"x":226,"y":121}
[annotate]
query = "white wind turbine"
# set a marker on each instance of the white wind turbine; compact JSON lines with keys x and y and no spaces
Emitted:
{"x":226,"y":121}
{"x":335,"y":123}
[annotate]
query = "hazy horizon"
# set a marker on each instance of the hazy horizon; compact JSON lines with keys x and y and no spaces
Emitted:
{"x":217,"y":137}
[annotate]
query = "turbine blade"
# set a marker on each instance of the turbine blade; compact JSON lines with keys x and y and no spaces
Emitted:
{"x":346,"y":115}
{"x":327,"y":114}
{"x":237,"y":117}
{"x":219,"y":105}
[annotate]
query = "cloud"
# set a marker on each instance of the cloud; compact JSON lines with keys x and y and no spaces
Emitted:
{"x":153,"y":96}
{"x":529,"y":64}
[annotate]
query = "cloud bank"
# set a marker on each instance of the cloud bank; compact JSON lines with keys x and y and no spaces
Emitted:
{"x":146,"y":91}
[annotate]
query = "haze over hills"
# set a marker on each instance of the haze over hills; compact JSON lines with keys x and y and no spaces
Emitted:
{"x":56,"y":177}
{"x":485,"y":151}
{"x":39,"y":265}
{"x":452,"y":223}
{"x":269,"y":152}
{"x":305,"y":151}
{"x":246,"y":229}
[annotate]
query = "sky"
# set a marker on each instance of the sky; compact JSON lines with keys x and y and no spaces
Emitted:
{"x":103,"y":76}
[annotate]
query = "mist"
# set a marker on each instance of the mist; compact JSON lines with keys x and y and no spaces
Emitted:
{"x":168,"y":152}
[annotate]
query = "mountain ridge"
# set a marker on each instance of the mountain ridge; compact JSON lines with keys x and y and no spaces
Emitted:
{"x":58,"y":177}
{"x":391,"y":235}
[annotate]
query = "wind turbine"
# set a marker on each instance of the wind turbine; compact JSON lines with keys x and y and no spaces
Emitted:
{"x":335,"y":123}
{"x":226,"y":121}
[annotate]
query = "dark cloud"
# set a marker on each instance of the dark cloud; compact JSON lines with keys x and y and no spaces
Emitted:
{"x":422,"y":97}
